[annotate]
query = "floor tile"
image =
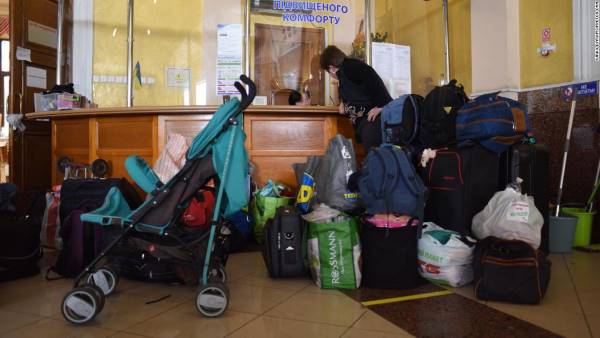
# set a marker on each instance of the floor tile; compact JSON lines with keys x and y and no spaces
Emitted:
{"x":255,"y":299}
{"x":35,"y":297}
{"x":270,"y":327}
{"x":126,"y":335}
{"x":13,"y":320}
{"x":320,"y":308}
{"x":185,"y":321}
{"x":359,"y":333}
{"x":51,"y":328}
{"x":263,"y":280}
{"x":371,"y":321}
{"x":122,"y":311}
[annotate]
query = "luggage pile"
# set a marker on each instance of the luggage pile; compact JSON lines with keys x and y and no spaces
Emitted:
{"x":441,"y":199}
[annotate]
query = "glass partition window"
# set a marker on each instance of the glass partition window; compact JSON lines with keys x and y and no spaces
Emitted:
{"x":286,"y":40}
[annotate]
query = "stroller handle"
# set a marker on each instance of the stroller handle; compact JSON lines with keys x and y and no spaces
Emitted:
{"x":247,"y":97}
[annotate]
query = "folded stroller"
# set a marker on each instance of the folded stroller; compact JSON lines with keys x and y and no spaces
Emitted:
{"x":216,"y":153}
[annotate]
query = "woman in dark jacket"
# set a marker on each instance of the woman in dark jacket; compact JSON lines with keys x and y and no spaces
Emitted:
{"x":362,"y":93}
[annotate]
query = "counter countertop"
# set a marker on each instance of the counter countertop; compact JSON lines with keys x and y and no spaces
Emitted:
{"x":160,"y":110}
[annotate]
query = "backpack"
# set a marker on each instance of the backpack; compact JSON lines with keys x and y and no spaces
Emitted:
{"x":82,"y":242}
{"x":199,"y":212}
{"x":494,"y":121}
{"x":400,"y":120}
{"x":388,"y":183}
{"x":439,"y":115}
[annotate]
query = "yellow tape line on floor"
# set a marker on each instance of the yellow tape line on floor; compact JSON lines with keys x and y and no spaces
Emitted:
{"x":405,"y":298}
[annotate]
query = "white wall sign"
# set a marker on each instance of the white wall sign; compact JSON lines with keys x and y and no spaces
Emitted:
{"x":41,"y":34}
{"x":36,"y":77}
{"x":179,"y":77}
{"x":23,"y":54}
{"x":392,"y":63}
{"x":229,"y":57}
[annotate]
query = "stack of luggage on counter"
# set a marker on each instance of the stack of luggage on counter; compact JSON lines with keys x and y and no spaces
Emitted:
{"x":456,"y":194}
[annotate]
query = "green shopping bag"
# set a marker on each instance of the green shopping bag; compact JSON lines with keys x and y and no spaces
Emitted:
{"x":334,"y":254}
{"x":263,"y":209}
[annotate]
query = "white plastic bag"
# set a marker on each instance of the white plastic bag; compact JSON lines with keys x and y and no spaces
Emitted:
{"x":510,"y":215}
{"x":172,"y":158}
{"x":445,"y":256}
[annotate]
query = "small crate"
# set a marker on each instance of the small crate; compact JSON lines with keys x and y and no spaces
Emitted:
{"x":56,"y":101}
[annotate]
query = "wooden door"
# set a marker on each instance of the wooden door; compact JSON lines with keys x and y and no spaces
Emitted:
{"x":288,"y":58}
{"x":33,"y":27}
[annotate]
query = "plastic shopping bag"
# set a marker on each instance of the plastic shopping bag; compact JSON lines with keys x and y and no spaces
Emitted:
{"x":510,"y":215}
{"x":264,"y":208}
{"x":445,"y":256}
{"x":334,"y":254}
{"x":172,"y":158}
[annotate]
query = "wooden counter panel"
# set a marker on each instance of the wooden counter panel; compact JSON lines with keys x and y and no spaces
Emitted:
{"x":186,"y":125}
{"x":116,"y":162}
{"x":71,"y":134}
{"x":288,"y":134}
{"x":276,"y":168}
{"x":125,"y":132}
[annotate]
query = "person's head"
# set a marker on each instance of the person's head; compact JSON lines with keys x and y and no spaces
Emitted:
{"x":294,"y":98}
{"x":331,"y":60}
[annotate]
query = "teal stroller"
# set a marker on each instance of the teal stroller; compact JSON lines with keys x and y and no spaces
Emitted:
{"x":218,"y":153}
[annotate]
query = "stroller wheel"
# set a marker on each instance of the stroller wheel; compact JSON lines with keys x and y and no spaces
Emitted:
{"x":212,"y":299}
{"x":105,"y":278}
{"x":217,"y":274}
{"x":81,"y":305}
{"x":99,"y":296}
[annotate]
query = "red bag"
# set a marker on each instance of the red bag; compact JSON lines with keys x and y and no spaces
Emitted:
{"x":49,"y":235}
{"x":199,"y":212}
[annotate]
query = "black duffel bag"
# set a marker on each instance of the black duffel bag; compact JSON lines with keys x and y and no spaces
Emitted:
{"x":74,"y":191}
{"x":390,"y":257}
{"x":20,"y":248}
{"x":510,"y":271}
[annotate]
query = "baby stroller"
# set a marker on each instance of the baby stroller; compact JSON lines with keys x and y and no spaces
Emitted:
{"x":216,"y":153}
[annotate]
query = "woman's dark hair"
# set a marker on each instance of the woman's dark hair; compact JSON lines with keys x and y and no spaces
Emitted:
{"x":332,"y":56}
{"x":294,"y":97}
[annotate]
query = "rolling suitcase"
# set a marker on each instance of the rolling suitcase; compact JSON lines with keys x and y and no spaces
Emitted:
{"x":529,"y":162}
{"x":75,"y":191}
{"x":282,"y":246}
{"x":460,"y":181}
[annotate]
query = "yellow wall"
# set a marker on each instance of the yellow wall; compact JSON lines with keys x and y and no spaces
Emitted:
{"x":535,"y":15}
{"x":419,"y":24}
{"x":175,"y":40}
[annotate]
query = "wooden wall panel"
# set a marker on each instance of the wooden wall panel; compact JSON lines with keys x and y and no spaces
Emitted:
{"x":69,"y":138}
{"x":288,"y":134}
{"x":125,"y":132}
{"x":187,"y":125}
{"x":277,"y":168}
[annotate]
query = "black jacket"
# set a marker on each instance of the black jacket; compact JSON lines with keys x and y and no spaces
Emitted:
{"x":360,"y":86}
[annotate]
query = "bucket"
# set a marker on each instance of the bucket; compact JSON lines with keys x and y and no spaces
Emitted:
{"x":583,"y":232}
{"x":562,"y":231}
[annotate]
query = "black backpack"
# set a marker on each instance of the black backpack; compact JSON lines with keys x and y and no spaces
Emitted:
{"x":438,"y":121}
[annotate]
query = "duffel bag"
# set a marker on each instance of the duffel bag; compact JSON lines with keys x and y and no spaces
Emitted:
{"x":510,"y":271}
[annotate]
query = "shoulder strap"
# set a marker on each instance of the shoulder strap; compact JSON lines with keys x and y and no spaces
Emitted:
{"x":416,"y":114}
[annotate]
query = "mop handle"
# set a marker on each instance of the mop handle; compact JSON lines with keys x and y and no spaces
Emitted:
{"x":590,"y":201}
{"x":566,"y":154}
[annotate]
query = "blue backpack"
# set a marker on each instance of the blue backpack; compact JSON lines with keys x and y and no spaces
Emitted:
{"x":400,"y":119}
{"x":492,"y":120}
{"x":389,"y":183}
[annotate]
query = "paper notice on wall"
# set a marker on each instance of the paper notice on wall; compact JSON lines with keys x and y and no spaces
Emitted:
{"x":179,"y":77}
{"x":23,"y":54}
{"x":229,"y":57}
{"x":392,"y":63}
{"x":36,"y":77}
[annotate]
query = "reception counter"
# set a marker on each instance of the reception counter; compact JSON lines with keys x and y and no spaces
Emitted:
{"x":277,"y":136}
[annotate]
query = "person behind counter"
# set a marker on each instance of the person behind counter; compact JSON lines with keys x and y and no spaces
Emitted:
{"x":362,"y":93}
{"x":298,"y":99}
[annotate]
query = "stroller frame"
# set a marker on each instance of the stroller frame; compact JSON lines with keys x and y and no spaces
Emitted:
{"x":86,"y":299}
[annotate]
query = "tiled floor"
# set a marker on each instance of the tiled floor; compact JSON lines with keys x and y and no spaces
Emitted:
{"x":261,"y":307}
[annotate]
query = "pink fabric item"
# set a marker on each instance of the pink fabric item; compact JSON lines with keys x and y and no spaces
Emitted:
{"x":391,"y":221}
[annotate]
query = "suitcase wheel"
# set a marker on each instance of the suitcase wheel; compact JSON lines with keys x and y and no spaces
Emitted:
{"x":212,"y":299}
{"x":82,"y":304}
{"x":105,"y":278}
